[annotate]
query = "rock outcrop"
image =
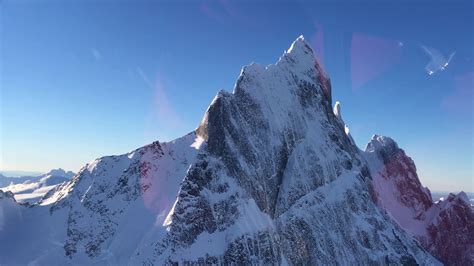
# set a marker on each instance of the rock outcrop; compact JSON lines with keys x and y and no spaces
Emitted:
{"x":445,"y":228}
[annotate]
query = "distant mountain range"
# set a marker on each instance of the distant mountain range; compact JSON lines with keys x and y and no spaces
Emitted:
{"x":20,"y":173}
{"x":30,"y":189}
{"x":442,"y":195}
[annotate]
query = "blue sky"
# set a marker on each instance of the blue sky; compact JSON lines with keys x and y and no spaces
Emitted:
{"x":83,"y":79}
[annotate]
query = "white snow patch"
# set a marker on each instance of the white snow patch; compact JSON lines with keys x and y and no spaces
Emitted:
{"x":197,"y":142}
{"x":168,"y":219}
{"x":337,"y":109}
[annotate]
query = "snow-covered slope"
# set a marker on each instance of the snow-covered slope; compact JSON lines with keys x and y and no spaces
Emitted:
{"x":28,"y":189}
{"x":270,"y":176}
{"x":103,"y":214}
{"x":445,"y":228}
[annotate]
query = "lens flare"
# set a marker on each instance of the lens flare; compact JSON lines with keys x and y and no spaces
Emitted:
{"x":370,"y":57}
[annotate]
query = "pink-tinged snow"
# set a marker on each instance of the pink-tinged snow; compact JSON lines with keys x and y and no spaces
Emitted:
{"x":142,"y":219}
{"x":399,"y":212}
{"x":440,"y":227}
{"x":251,"y":220}
{"x":163,"y":176}
{"x":388,"y":196}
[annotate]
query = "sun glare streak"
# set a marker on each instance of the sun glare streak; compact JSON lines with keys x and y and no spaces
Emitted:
{"x":162,"y":117}
{"x":370,"y":57}
{"x":317,"y":42}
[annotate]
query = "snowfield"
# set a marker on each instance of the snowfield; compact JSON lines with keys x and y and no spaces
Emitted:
{"x":30,"y":189}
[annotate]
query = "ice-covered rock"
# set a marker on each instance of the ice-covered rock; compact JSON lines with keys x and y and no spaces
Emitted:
{"x":337,"y":113}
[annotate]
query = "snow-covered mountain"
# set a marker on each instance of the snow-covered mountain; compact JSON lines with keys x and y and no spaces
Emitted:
{"x":270,"y":176}
{"x":445,"y":228}
{"x":7,"y":180}
{"x":30,"y":189}
{"x":443,"y":195}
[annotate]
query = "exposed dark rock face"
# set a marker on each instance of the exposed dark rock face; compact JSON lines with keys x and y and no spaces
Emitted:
{"x":6,"y":194}
{"x":276,"y":152}
{"x":451,"y":233}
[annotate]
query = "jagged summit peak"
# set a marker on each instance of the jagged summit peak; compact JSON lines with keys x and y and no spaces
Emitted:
{"x":294,"y":81}
{"x":60,"y":172}
{"x":463,"y":195}
{"x":378,"y":143}
{"x":298,"y":62}
{"x":299,"y":56}
{"x":301,"y":51}
{"x":300,"y":46}
{"x":460,"y":196}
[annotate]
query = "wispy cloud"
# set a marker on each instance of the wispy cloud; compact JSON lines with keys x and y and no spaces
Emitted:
{"x":96,"y":54}
{"x":144,"y":77}
{"x":162,"y":118}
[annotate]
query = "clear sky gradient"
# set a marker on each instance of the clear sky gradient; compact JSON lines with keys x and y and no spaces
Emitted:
{"x":84,"y":79}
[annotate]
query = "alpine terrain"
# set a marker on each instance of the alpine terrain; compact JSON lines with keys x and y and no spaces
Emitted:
{"x":446,"y":229}
{"x":270,"y":176}
{"x":30,"y":189}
